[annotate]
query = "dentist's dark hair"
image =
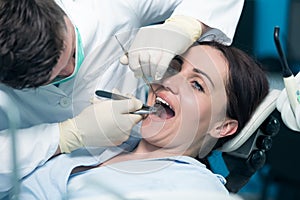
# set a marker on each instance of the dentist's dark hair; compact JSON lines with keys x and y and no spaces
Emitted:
{"x":31,"y":41}
{"x":246,"y":87}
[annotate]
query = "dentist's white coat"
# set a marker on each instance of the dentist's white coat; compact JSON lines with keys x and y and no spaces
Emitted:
{"x":98,"y":21}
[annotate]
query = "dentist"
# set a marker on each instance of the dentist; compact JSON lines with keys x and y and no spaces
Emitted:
{"x":51,"y":62}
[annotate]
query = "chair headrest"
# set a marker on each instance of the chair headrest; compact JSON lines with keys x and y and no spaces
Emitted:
{"x":266,"y":107}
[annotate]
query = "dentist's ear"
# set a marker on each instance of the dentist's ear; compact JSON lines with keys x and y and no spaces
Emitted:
{"x":228,"y":128}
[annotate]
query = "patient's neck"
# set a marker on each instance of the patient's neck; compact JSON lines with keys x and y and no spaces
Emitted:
{"x":149,"y":150}
{"x":145,"y":150}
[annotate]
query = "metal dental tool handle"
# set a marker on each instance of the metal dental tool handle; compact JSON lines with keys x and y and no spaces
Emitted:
{"x":144,"y":110}
{"x":144,"y":77}
{"x":146,"y":80}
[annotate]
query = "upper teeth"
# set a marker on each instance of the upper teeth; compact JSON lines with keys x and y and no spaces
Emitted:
{"x":158,"y":99}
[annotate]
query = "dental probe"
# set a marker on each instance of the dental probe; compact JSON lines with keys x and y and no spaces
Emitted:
{"x":144,"y":78}
{"x":289,"y":80}
{"x":144,"y":110}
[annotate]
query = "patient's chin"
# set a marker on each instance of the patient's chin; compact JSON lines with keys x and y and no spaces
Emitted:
{"x":152,"y":126}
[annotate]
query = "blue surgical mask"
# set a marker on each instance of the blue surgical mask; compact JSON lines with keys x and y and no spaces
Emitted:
{"x":79,"y":56}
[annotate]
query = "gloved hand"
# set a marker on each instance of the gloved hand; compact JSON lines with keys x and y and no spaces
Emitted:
{"x":154,"y":46}
{"x":104,"y":123}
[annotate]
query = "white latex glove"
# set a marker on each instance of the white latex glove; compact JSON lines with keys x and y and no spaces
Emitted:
{"x":290,"y":119}
{"x":154,"y":46}
{"x":105,"y":123}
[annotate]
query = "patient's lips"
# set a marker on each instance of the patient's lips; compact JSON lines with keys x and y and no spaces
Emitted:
{"x":165,"y":110}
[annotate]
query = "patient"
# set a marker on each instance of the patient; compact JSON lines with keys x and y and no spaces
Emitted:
{"x":208,"y":94}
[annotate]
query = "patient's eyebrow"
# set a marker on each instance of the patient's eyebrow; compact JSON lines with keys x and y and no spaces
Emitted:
{"x":204,"y":74}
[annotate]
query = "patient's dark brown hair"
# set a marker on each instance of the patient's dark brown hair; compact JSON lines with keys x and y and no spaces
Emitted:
{"x":31,"y":41}
{"x":246,"y":87}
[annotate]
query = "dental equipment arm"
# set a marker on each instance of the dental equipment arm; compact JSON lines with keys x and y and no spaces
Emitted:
{"x":104,"y":123}
{"x":290,"y":117}
{"x":288,"y":103}
{"x":289,"y":80}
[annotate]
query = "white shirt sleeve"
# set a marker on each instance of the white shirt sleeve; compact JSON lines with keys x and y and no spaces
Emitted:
{"x":153,"y":11}
{"x":222,"y":15}
{"x":35,"y":146}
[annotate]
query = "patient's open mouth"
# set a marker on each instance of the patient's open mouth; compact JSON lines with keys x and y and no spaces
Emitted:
{"x":165,"y":110}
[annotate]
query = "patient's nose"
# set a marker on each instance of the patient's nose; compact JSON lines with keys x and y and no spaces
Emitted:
{"x":173,"y":83}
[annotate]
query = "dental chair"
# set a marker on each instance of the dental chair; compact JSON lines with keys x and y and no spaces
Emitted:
{"x":246,"y":152}
{"x":283,"y":165}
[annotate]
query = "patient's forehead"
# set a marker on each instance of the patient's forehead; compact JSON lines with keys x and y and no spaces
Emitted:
{"x":208,"y":59}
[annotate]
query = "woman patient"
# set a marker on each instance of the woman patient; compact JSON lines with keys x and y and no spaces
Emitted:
{"x":208,"y":94}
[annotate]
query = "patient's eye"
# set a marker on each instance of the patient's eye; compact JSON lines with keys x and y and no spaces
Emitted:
{"x":197,"y":86}
{"x":176,"y":64}
{"x":174,"y":67}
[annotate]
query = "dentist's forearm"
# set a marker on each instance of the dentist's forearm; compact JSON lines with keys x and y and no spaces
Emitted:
{"x":35,"y":145}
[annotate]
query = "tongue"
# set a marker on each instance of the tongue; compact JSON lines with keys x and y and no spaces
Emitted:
{"x":164,"y":112}
{"x":164,"y":115}
{"x":169,"y":113}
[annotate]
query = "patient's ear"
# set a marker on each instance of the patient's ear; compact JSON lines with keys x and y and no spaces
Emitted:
{"x":229,"y":127}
